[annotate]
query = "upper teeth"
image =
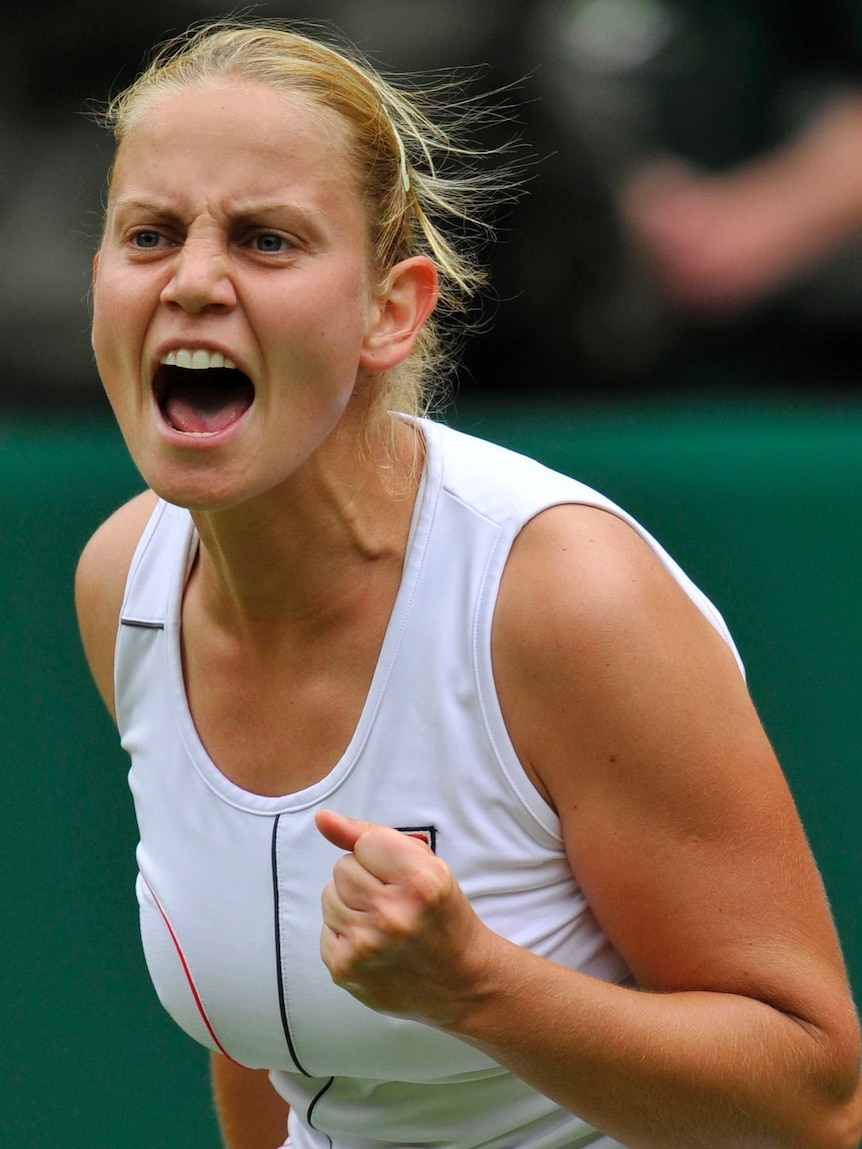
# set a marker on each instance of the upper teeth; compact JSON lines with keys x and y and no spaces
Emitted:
{"x":197,"y":360}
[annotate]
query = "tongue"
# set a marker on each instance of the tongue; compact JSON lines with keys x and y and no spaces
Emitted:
{"x":203,"y":408}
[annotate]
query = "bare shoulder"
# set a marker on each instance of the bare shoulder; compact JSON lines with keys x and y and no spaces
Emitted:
{"x":581,"y":570}
{"x":597,"y":646}
{"x":100,"y":582}
{"x":589,"y":622}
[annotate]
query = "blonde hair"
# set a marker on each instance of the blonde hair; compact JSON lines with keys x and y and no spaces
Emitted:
{"x":420,"y":181}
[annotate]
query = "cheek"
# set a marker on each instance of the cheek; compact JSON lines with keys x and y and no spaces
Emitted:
{"x":117,"y":355}
{"x":116,"y":318}
{"x":324,"y":330}
{"x":98,"y":326}
{"x":104,"y":306}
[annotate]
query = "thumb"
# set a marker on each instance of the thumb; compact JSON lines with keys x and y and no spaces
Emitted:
{"x":340,"y":830}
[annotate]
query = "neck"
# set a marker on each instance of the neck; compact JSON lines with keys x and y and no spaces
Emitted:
{"x":309,"y":552}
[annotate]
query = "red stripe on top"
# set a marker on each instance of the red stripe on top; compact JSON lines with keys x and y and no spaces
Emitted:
{"x":188,"y":974}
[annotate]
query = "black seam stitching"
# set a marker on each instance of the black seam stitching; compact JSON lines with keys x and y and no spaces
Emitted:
{"x":282,"y":1001}
{"x":311,"y":1108}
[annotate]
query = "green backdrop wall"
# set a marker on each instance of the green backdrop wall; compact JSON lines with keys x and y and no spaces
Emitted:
{"x":763,"y":507}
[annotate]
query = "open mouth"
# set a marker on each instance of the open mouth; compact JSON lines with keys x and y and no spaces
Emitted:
{"x":202,"y":394}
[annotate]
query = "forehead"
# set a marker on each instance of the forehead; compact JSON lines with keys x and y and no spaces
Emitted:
{"x":232,"y":132}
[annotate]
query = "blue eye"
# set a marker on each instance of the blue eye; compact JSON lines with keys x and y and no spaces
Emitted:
{"x":269,"y":243}
{"x":146,"y":239}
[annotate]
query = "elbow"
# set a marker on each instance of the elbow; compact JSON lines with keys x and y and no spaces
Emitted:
{"x":840,"y":1123}
{"x":842,"y":1127}
{"x":833,"y":1125}
{"x":828,"y":1095}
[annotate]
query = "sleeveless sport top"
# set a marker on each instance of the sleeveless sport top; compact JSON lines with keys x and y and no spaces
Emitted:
{"x":229,"y":881}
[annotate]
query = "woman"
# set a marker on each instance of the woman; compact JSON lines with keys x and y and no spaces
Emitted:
{"x":457,"y":824}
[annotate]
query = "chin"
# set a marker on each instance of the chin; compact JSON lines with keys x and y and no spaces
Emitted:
{"x":196,"y":487}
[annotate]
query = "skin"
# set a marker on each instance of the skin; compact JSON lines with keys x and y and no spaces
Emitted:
{"x":718,"y":244}
{"x":681,"y":831}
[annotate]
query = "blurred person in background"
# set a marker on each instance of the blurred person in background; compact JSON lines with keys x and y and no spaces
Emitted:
{"x":714,"y":152}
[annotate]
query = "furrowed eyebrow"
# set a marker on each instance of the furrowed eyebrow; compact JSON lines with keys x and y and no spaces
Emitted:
{"x":158,"y":211}
{"x":303,"y":223}
{"x":243,"y":211}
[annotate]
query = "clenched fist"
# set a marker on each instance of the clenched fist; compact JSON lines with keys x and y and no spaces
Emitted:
{"x":398,"y":932}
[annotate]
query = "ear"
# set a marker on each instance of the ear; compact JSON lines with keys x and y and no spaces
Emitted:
{"x":95,"y":270}
{"x":398,"y":314}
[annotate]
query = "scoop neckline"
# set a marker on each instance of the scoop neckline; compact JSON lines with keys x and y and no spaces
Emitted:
{"x":320,"y":791}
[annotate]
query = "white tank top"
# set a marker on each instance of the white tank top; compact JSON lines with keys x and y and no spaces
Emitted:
{"x":229,"y":881}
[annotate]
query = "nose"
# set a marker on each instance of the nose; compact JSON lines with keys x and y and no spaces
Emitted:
{"x":200,"y":279}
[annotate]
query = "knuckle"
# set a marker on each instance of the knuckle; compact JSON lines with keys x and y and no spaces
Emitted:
{"x":430,"y":884}
{"x":393,"y":922}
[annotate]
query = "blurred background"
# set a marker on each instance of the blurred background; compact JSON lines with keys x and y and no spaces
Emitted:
{"x":696,"y":196}
{"x":674,"y":318}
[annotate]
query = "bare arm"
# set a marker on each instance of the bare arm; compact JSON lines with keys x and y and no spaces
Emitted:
{"x":632,"y":717}
{"x":251,"y":1113}
{"x":717,"y":243}
{"x":685,"y":840}
{"x":99,"y":586}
